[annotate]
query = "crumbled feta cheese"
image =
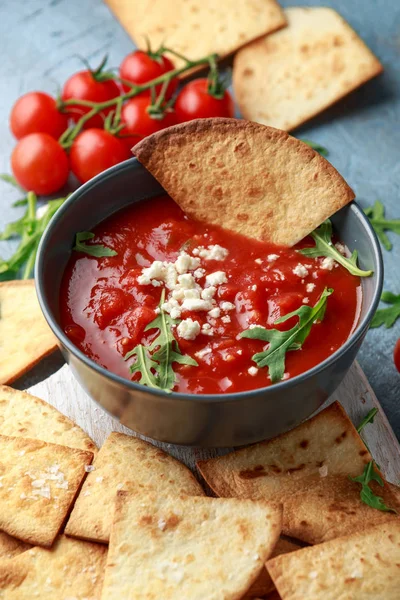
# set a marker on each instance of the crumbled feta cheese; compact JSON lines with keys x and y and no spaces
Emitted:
{"x":254,"y":287}
{"x":285,"y":376}
{"x":272,"y":257}
{"x":192,"y":293}
{"x":300,"y":270}
{"x":216,"y":278}
{"x":185,"y":263}
{"x":226,"y":319}
{"x":155,"y":271}
{"x":215,"y":312}
{"x":196,"y":304}
{"x":187,"y":281}
{"x":306,"y":300}
{"x":252,"y":371}
{"x":209,"y":293}
{"x":199,"y":273}
{"x":341,"y":248}
{"x":214,"y":252}
{"x":310,"y":287}
{"x":188,"y":329}
{"x":203,"y":353}
{"x":227,"y":306}
{"x":258,"y":261}
{"x":328,"y":263}
{"x":207,"y":329}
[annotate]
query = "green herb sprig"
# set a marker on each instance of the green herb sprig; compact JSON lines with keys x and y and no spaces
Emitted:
{"x":325,"y":247}
{"x":97,"y":250}
{"x":281,"y":342}
{"x":376,"y":215}
{"x":30,"y":229}
{"x":366,"y":494}
{"x":317,"y":147}
{"x":154,"y":362}
{"x":387,"y":316}
{"x":369,"y":418}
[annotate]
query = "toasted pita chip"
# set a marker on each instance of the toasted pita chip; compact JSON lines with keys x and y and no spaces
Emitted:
{"x":23,"y":415}
{"x":197,"y":29}
{"x":306,"y":469}
{"x":358,"y":567}
{"x":263,"y":584}
{"x":254,"y":180}
{"x":39,"y":483}
{"x":25,"y":337}
{"x":187,"y":547}
{"x":128,"y":463}
{"x":71,"y":570}
{"x":286,"y":78}
{"x":10,"y":547}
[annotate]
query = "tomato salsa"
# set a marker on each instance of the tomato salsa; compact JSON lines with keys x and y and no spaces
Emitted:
{"x":208,"y":286}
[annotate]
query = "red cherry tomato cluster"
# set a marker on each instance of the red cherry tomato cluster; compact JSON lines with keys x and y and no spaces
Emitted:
{"x":59,"y":136}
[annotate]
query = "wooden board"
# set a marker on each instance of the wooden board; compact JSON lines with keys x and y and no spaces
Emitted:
{"x":355,"y":394}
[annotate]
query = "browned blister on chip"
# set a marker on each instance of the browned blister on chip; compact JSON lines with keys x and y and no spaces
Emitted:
{"x":39,"y":482}
{"x":197,"y":28}
{"x":128,"y":463}
{"x":187,"y":547}
{"x":72,"y":569}
{"x":245,"y":177}
{"x":286,"y":78}
{"x":24,"y":415}
{"x":363,"y":566}
{"x":25,"y":337}
{"x":307,"y":470}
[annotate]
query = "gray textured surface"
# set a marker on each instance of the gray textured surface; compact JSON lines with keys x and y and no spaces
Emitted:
{"x":39,"y":44}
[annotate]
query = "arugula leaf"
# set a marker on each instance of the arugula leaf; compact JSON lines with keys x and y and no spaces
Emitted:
{"x":30,"y":229}
{"x":144,"y":365}
{"x":317,"y":147}
{"x":97,"y":250}
{"x":387,"y":316}
{"x":376,"y":215}
{"x":325,"y":247}
{"x":154,"y":362}
{"x":281,"y":342}
{"x":366,"y":494}
{"x":369,"y":418}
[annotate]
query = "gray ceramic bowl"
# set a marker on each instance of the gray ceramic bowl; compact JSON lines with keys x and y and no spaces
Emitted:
{"x":197,"y":420}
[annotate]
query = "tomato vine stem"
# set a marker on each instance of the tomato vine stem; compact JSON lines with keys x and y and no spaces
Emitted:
{"x":70,"y":134}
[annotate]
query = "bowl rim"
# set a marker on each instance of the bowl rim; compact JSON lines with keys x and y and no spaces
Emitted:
{"x":361,"y":327}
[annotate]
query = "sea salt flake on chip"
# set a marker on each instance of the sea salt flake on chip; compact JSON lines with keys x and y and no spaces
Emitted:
{"x":208,"y":548}
{"x":248,"y":178}
{"x":34,"y":500}
{"x":286,"y":469}
{"x":128,"y":462}
{"x":287,"y":78}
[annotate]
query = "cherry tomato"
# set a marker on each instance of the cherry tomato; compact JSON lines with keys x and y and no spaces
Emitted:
{"x":396,"y":355}
{"x":139,"y":123}
{"x":140,"y":67}
{"x":40,"y":164}
{"x":94,"y":151}
{"x":84,"y":86}
{"x":37,"y":112}
{"x":194,"y":102}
